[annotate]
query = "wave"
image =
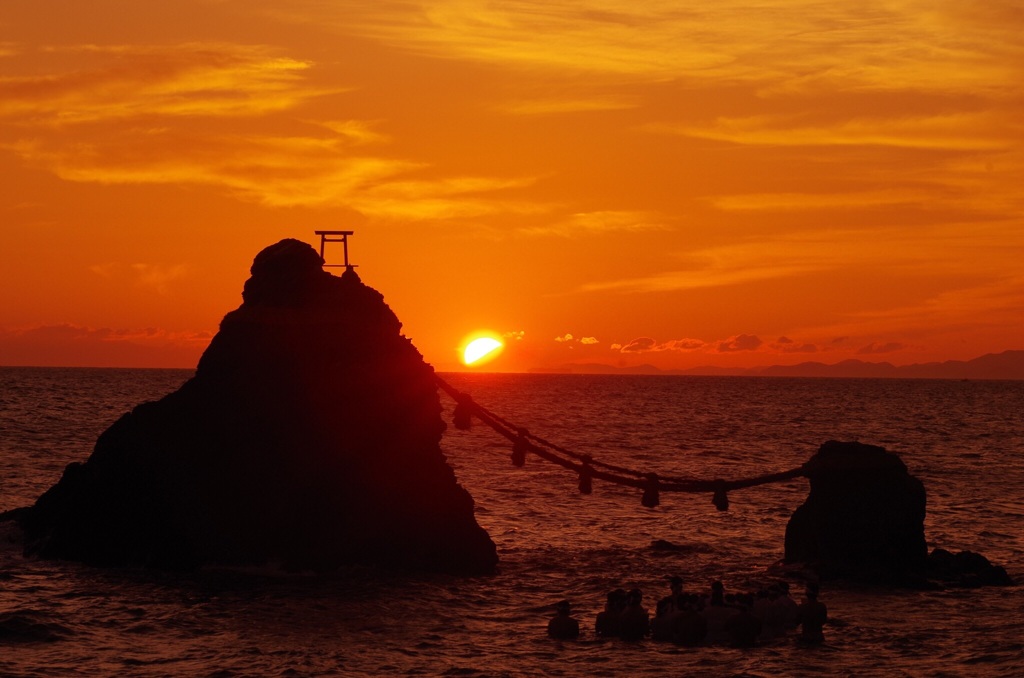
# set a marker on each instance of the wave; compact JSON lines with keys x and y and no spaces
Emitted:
{"x":30,"y":626}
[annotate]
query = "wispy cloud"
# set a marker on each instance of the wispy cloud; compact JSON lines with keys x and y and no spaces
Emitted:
{"x":136,"y":81}
{"x":69,"y":344}
{"x":787,"y":345}
{"x":440,"y":198}
{"x":272,"y":170}
{"x":725,"y":265}
{"x":568,"y":338}
{"x":965,"y":130}
{"x":554,"y":106}
{"x":806,"y":45}
{"x":275,"y":171}
{"x":609,"y":221}
{"x":970,"y":308}
{"x":639,"y":345}
{"x":79,"y":332}
{"x":733,"y":344}
{"x":158,"y":277}
{"x":877,"y":348}
{"x":936,"y":252}
{"x":740,"y":342}
{"x":821,"y":201}
{"x":212,"y":115}
{"x":356,"y":131}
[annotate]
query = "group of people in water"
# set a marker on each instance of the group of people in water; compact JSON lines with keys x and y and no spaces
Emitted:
{"x":713,"y":617}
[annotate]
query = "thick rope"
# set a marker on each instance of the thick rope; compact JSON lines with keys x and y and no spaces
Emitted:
{"x":587,"y":467}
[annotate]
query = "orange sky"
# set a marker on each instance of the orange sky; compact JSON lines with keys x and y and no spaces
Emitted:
{"x":678,"y":184}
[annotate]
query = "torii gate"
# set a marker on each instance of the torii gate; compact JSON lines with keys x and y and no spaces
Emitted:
{"x":332,"y":236}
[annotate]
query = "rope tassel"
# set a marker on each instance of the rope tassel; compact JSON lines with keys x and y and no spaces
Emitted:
{"x":519,"y":448}
{"x":721,"y":499}
{"x":586,"y":476}
{"x":651,"y":497}
{"x":462,"y":417}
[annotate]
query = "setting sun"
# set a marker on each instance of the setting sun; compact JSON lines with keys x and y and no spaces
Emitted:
{"x":480,"y":349}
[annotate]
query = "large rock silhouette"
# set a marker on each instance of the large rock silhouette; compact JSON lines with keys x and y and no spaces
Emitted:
{"x":309,"y":436}
{"x":864,"y":516}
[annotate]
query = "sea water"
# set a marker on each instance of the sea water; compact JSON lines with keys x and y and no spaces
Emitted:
{"x":964,"y":440}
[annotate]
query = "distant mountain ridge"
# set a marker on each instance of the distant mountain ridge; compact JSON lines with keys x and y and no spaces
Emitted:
{"x":1005,"y":365}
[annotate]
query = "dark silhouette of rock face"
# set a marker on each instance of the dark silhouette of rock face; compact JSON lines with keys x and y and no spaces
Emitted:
{"x":864,"y":517}
{"x":310,"y":436}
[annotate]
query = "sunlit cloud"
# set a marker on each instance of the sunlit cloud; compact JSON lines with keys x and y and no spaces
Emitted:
{"x":568,"y":338}
{"x":648,"y":345}
{"x":876,"y":348}
{"x":820,"y":201}
{"x":107,"y":334}
{"x":783,"y":45}
{"x":356,"y":131}
{"x":733,"y":344}
{"x":973,"y":130}
{"x":133,"y":110}
{"x":558,"y":106}
{"x":686,"y":344}
{"x":989,"y":182}
{"x":584,"y":223}
{"x":159,"y":276}
{"x":453,"y":186}
{"x":427,"y":208}
{"x":787,"y":345}
{"x":639,"y":345}
{"x":740,"y":342}
{"x":155,"y":276}
{"x":276,"y":171}
{"x":976,"y":307}
{"x":935,"y":251}
{"x":65,"y":343}
{"x":604,"y":37}
{"x":723,"y":266}
{"x":133,"y":81}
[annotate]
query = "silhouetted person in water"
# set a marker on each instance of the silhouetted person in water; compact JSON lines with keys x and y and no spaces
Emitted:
{"x":562,"y":626}
{"x":813,"y":615}
{"x":607,"y":624}
{"x":743,"y":627}
{"x":675,"y":585}
{"x":788,"y":608}
{"x":717,"y":614}
{"x":664,"y":616}
{"x":634,"y":622}
{"x":667,"y":610}
{"x":689,"y":626}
